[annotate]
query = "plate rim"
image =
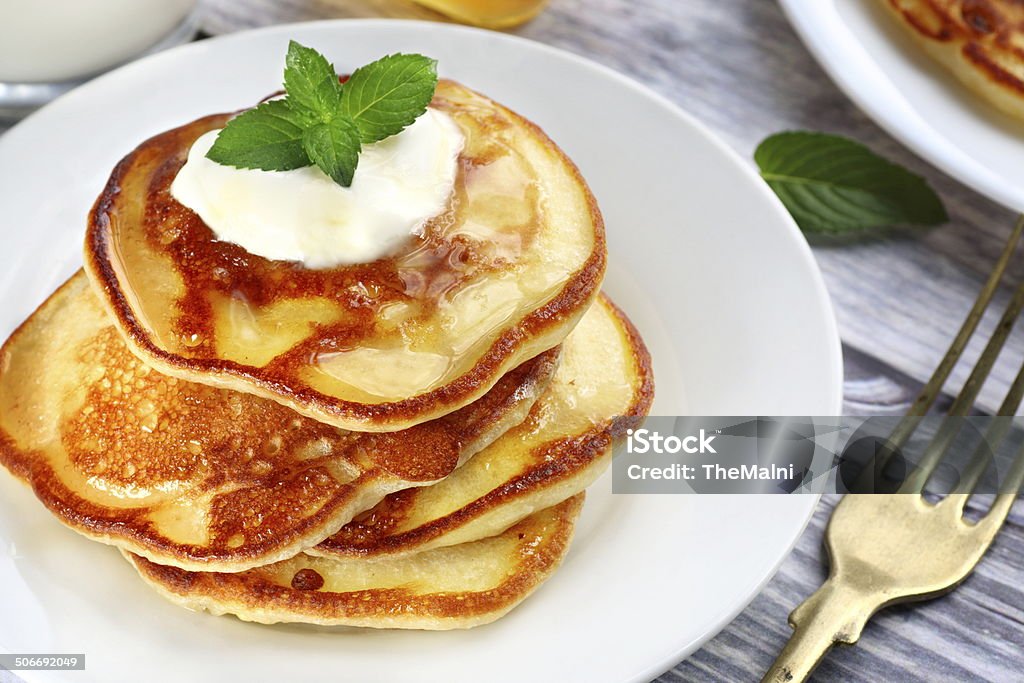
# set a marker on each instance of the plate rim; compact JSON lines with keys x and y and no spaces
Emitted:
{"x":805,"y":17}
{"x":795,"y":236}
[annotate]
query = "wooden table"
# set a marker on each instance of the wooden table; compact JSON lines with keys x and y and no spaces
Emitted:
{"x":739,"y":67}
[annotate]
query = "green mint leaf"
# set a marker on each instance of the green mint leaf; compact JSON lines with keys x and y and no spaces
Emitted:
{"x":834,"y":185}
{"x":387,"y":95}
{"x":334,"y":147}
{"x":324,"y":123}
{"x":311,"y":83}
{"x":268,"y":137}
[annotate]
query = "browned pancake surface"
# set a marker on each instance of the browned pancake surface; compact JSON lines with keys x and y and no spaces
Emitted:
{"x":457,"y":587}
{"x":980,"y":41}
{"x":200,"y":477}
{"x":604,"y":386}
{"x":501,"y":275}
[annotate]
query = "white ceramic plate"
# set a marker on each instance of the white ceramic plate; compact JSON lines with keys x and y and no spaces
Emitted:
{"x":704,"y":259}
{"x":914,"y":98}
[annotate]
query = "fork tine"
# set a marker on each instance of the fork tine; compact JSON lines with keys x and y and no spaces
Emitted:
{"x":993,"y":520}
{"x":981,"y":458}
{"x":994,"y":436}
{"x":926,"y":398}
{"x":965,"y":399}
{"x":931,"y":390}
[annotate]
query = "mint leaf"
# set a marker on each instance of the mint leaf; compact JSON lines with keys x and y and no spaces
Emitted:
{"x":324,"y":123}
{"x":834,"y":185}
{"x":387,"y":95}
{"x":334,"y":147}
{"x":311,"y":83}
{"x":268,"y":137}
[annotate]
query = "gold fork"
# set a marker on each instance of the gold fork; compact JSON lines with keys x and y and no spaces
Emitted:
{"x":885,"y":549}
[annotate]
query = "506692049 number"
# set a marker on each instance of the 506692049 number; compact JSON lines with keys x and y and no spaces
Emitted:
{"x":42,"y":662}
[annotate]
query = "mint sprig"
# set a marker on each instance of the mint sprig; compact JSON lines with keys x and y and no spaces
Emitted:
{"x":322,"y":122}
{"x":831,"y":184}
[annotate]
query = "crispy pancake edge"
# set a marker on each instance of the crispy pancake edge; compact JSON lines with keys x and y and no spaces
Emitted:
{"x":100,"y":524}
{"x":955,"y":48}
{"x":541,"y":329}
{"x":580,"y":460}
{"x":252,"y":599}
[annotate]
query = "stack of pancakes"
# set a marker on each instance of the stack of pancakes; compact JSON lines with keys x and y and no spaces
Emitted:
{"x":400,"y":444}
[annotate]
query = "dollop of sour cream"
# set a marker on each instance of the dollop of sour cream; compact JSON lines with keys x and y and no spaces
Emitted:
{"x":302,"y":215}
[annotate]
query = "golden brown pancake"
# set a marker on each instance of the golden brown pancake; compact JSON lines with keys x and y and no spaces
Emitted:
{"x":980,"y":41}
{"x":456,"y":587}
{"x":199,"y":477}
{"x":504,"y":273}
{"x":602,"y":387}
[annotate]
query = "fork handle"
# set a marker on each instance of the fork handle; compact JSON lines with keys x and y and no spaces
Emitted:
{"x":835,"y":613}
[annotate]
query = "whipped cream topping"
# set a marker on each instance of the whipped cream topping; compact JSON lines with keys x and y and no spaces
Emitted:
{"x":302,"y":215}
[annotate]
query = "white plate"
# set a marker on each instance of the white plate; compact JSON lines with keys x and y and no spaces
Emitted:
{"x":914,"y":98}
{"x":704,"y":259}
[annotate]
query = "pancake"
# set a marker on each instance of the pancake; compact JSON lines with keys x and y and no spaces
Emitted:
{"x":980,"y":41}
{"x":198,"y":477}
{"x":458,"y":587}
{"x":602,"y":387}
{"x":504,"y":273}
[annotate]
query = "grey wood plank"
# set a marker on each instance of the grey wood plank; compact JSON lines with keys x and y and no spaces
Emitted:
{"x":974,"y":634}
